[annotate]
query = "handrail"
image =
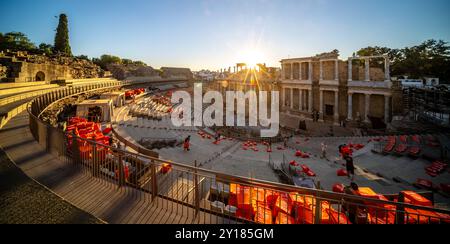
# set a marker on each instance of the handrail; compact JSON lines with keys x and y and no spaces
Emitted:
{"x":75,"y":94}
{"x":269,"y":184}
{"x":223,"y":177}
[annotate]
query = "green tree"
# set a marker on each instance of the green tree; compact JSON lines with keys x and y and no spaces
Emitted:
{"x":46,"y":49}
{"x":431,"y":58}
{"x":16,"y":41}
{"x":139,"y":63}
{"x":85,"y":57}
{"x":127,"y":61}
{"x":62,"y":45}
{"x":106,"y":60}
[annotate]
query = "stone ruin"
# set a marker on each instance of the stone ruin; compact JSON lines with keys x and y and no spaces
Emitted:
{"x":3,"y":70}
{"x":24,"y":67}
{"x":121,"y":71}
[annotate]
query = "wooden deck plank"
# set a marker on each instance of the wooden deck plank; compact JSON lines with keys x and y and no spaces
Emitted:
{"x":98,"y":196}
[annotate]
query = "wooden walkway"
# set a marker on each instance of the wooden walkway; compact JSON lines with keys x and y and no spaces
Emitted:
{"x":96,"y":196}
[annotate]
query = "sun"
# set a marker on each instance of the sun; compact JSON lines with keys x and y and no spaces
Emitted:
{"x":251,"y":57}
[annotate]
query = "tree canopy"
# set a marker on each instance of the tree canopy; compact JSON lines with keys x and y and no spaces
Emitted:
{"x":62,"y":45}
{"x":430,"y":58}
{"x":107,"y":59}
{"x":16,"y":41}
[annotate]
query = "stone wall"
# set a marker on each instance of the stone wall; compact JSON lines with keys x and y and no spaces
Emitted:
{"x":170,"y":71}
{"x":29,"y":68}
{"x":3,"y":70}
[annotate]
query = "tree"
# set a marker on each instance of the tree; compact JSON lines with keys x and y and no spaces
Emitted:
{"x":106,"y":60}
{"x":431,"y":58}
{"x":16,"y":41}
{"x":139,"y":63}
{"x":62,"y":45}
{"x":84,"y":57}
{"x":46,"y":49}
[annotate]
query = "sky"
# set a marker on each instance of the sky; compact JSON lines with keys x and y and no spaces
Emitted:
{"x":214,"y":34}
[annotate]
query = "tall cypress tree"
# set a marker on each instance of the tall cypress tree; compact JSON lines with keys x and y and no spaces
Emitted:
{"x":62,"y":37}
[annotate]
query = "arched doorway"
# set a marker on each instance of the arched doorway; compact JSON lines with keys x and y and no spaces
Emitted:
{"x":40,"y":76}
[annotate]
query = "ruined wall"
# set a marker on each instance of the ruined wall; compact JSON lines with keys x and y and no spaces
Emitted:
{"x":3,"y":70}
{"x":328,"y":70}
{"x":377,"y":106}
{"x":30,"y":68}
{"x":29,"y":72}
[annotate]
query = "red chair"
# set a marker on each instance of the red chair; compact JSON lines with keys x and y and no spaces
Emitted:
{"x":401,"y":148}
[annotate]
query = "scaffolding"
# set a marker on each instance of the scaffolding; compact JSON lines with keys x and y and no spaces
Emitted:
{"x":429,"y":105}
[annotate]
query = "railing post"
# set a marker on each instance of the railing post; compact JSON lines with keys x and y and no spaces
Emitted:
{"x":154,"y":181}
{"x":400,"y":211}
{"x":318,"y":211}
{"x":196,"y":192}
{"x":75,"y":149}
{"x":121,"y":171}
{"x":95,"y":163}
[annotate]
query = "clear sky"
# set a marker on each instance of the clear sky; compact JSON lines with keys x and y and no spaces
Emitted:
{"x":215,"y":34}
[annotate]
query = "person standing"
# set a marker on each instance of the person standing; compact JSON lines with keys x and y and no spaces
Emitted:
{"x":350,"y":167}
{"x":186,"y":144}
{"x":324,"y":150}
{"x":353,"y":208}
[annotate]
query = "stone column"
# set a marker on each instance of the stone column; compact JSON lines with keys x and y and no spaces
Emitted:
{"x":321,"y":105}
{"x":283,"y":96}
{"x":386,"y":109}
{"x":292,"y":98}
{"x":350,"y":106}
{"x":350,"y":69}
{"x":367,"y":107}
{"x":336,"y":107}
{"x":321,"y":70}
{"x":310,"y":68}
{"x":300,"y":71}
{"x":367,"y":68}
{"x":387,"y":72}
{"x":305,"y":102}
{"x":336,"y":70}
{"x":292,"y":70}
{"x":300,"y":98}
{"x":310,"y":101}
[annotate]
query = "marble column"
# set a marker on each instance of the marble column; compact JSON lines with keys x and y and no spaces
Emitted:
{"x":386,"y":109}
{"x":300,"y":98}
{"x":292,"y":98}
{"x":310,"y":70}
{"x":300,"y":71}
{"x":321,"y":105}
{"x":367,"y":68}
{"x":321,"y":70}
{"x":336,"y":70}
{"x":336,"y":107}
{"x":310,"y":101}
{"x":367,"y":107}
{"x":350,"y":106}
{"x":305,"y":101}
{"x":387,"y":72}
{"x":292,"y":70}
{"x":350,"y":69}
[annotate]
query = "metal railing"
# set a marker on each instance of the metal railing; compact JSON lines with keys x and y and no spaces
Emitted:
{"x":207,"y":196}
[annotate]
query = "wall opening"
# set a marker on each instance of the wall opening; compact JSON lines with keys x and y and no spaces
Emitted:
{"x":40,"y":76}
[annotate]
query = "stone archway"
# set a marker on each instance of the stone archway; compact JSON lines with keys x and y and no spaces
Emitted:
{"x":40,"y":76}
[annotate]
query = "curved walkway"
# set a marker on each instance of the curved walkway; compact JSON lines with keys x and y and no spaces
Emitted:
{"x":93,"y":195}
{"x":24,"y":201}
